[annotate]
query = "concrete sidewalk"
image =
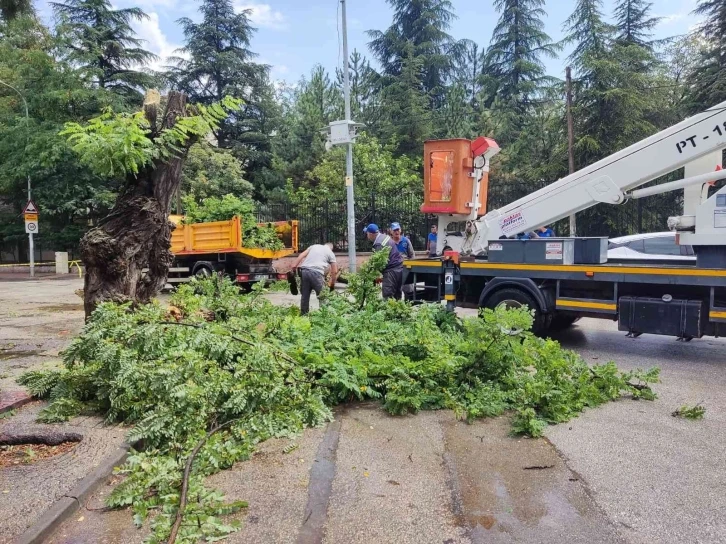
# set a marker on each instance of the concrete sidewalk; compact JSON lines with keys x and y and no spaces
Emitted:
{"x":416,"y":479}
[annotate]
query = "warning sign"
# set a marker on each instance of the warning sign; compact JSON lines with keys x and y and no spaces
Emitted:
{"x":30,"y":207}
{"x":553,"y":251}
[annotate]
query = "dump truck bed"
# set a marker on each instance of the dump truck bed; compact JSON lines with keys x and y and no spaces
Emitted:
{"x":226,"y":237}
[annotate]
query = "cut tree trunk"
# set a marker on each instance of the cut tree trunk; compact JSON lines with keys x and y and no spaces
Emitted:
{"x":136,"y":234}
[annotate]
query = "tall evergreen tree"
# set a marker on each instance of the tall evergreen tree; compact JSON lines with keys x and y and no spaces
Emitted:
{"x":468,"y":67}
{"x":220,"y":63}
{"x":592,"y":40}
{"x":634,"y":22}
{"x":300,"y":145}
{"x":407,"y":106}
{"x":588,"y":32}
{"x":419,"y":30}
{"x":707,"y":81}
{"x":102,"y":42}
{"x":365,"y":104}
{"x":10,"y":9}
{"x":513,"y":66}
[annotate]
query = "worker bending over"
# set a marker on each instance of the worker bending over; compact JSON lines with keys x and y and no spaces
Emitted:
{"x":393,"y":273}
{"x":313,"y":263}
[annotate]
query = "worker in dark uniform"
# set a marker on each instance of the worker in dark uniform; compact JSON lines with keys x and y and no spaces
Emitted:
{"x":393,"y":273}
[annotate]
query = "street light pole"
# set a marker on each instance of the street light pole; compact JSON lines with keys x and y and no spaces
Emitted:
{"x":349,"y":154}
{"x":31,"y":246}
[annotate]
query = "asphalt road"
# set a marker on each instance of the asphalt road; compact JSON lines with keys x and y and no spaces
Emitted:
{"x":624,"y":472}
{"x":663,"y":479}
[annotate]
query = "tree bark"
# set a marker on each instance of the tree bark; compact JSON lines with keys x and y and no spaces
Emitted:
{"x":136,"y":234}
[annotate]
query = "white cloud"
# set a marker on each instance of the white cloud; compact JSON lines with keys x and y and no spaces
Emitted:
{"x":155,"y":40}
{"x":262,"y":14}
{"x":672,"y":18}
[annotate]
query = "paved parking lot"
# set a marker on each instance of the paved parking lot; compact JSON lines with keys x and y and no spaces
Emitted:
{"x":625,"y":472}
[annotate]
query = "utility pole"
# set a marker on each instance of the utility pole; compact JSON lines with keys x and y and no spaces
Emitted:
{"x":31,"y":246}
{"x":570,"y":140}
{"x":349,"y":155}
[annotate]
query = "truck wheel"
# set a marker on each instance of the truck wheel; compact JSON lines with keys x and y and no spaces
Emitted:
{"x":517,"y":298}
{"x":560,"y":322}
{"x":203,"y":270}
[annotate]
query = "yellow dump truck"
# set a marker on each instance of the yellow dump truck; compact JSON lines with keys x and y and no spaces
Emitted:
{"x":203,"y":249}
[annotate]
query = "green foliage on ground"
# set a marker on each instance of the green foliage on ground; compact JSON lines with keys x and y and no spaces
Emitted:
{"x":267,"y":371}
{"x":225,"y":208}
{"x":690,"y":412}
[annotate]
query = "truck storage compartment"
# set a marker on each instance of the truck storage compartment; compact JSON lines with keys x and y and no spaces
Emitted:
{"x":675,"y":317}
{"x":591,"y":250}
{"x":535,"y":251}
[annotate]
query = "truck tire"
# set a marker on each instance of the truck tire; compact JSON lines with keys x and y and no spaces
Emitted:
{"x":511,"y":297}
{"x":203,"y":270}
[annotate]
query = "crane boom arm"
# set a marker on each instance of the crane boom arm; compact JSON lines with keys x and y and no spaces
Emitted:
{"x":606,"y":180}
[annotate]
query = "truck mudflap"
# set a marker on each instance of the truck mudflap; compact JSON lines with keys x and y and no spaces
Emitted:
{"x":684,"y":319}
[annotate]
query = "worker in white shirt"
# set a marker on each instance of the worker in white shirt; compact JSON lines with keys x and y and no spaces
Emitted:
{"x":313,"y":263}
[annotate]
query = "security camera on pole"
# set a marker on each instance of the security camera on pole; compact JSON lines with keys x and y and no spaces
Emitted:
{"x":344,"y":133}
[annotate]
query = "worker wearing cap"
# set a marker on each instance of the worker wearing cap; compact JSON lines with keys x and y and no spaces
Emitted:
{"x":403,"y":244}
{"x":393,"y":273}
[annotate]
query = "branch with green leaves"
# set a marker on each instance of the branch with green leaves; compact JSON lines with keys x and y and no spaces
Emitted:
{"x":253,"y":370}
{"x":121,"y":144}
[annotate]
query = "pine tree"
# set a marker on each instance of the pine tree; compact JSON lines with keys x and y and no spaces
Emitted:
{"x":707,"y":81}
{"x":634,"y":23}
{"x":102,"y":42}
{"x":364,"y":83}
{"x":419,"y":31}
{"x":588,"y":31}
{"x":468,"y":66}
{"x":220,"y":63}
{"x":11,"y":9}
{"x":300,"y":145}
{"x":592,"y":59}
{"x":513,"y":68}
{"x":407,"y":106}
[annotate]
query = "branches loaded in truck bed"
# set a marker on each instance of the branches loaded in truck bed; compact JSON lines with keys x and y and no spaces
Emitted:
{"x":254,"y":235}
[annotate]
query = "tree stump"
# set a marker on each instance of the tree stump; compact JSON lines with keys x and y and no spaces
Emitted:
{"x":136,"y":234}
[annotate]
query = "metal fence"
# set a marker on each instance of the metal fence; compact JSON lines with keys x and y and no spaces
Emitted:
{"x":326,"y":221}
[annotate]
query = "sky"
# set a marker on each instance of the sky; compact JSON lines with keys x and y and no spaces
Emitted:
{"x":293,"y":35}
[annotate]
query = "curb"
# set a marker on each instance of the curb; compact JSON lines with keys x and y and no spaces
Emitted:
{"x":72,"y":501}
{"x":22,"y":401}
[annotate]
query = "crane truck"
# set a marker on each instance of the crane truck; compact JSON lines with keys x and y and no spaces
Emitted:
{"x":481,"y":262}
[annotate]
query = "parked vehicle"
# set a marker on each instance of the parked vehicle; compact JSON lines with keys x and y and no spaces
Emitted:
{"x":650,"y":247}
{"x":203,"y":249}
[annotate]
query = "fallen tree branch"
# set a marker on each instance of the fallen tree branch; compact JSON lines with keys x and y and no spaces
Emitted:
{"x":282,"y":354}
{"x":185,"y":479}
